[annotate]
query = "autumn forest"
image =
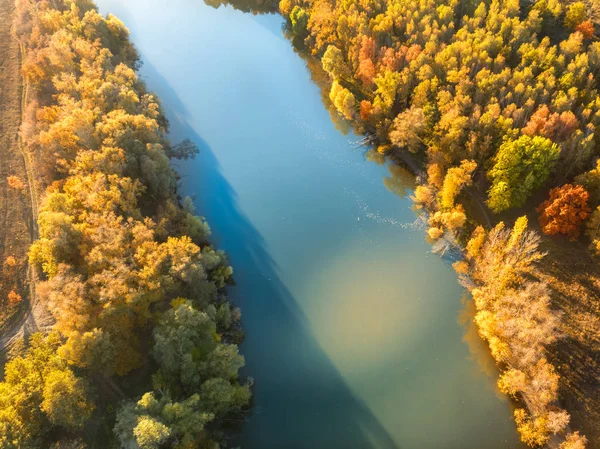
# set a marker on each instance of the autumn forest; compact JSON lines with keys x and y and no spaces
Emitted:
{"x":492,"y":106}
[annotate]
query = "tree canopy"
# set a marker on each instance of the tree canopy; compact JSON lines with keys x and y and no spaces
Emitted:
{"x":116,"y":246}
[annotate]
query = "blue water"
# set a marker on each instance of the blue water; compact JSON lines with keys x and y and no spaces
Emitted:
{"x":353,"y":333}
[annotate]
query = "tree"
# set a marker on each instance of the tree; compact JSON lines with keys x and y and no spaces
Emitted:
{"x":152,"y":422}
{"x":150,"y":433}
{"x":188,"y":352}
{"x":574,"y":441}
{"x":576,"y":14}
{"x":586,"y":28}
{"x":65,"y":399}
{"x":408,"y":129}
{"x":512,"y":382}
{"x":565,"y":211}
{"x":14,"y":182}
{"x":520,"y":167}
{"x":557,"y":127}
{"x":590,"y":180}
{"x":299,"y":18}
{"x":333,"y":63}
{"x":40,"y":392}
{"x":387,"y":89}
{"x":533,"y":431}
{"x":183,"y":151}
{"x":558,"y":420}
{"x":454,"y":181}
{"x":219,"y":396}
{"x":366,"y":68}
{"x":343,"y":100}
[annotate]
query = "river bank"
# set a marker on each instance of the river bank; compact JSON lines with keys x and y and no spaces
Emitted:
{"x":300,"y":249}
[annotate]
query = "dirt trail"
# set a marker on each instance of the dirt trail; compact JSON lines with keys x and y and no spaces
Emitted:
{"x":18,"y":206}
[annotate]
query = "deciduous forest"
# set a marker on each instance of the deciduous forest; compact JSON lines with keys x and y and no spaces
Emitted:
{"x":492,"y":104}
{"x":136,"y":293}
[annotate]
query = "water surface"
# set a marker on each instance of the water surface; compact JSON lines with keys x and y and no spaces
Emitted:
{"x":353,"y":333}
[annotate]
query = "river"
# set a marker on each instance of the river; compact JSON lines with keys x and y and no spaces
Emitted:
{"x":353,"y":331}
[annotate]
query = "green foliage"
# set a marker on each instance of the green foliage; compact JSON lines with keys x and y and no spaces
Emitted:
{"x":199,"y":354}
{"x":520,"y":167}
{"x":299,"y":19}
{"x":152,"y":422}
{"x":197,"y":370}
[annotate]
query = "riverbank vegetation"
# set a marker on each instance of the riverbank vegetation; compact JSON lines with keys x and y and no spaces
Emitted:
{"x":134,"y":287}
{"x":515,"y":318}
{"x":494,"y":106}
{"x":499,"y":101}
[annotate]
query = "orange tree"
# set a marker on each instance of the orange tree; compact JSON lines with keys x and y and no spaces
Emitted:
{"x":565,"y":211}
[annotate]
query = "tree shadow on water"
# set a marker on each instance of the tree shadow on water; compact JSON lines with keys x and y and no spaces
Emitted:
{"x":301,"y":400}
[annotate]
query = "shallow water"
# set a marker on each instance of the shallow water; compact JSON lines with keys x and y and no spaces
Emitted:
{"x":353,"y":333}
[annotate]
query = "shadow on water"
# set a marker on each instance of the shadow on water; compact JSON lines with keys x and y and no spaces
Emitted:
{"x":301,"y":400}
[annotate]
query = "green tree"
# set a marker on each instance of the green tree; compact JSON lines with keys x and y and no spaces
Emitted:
{"x":151,"y":422}
{"x":520,"y":167}
{"x":299,"y":18}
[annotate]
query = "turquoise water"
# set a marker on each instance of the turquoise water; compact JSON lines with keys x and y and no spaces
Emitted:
{"x":353,"y":333}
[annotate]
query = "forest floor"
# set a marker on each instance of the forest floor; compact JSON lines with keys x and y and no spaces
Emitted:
{"x":573,"y":275}
{"x":20,"y":312}
{"x":574,"y":278}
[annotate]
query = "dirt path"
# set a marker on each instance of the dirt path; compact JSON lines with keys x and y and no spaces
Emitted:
{"x":18,"y":206}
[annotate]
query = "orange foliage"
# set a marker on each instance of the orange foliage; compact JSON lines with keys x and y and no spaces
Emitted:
{"x":14,"y":297}
{"x":366,"y":110}
{"x":15,"y":183}
{"x":565,"y":211}
{"x":10,"y":261}
{"x":366,"y":67}
{"x":389,"y":59}
{"x":366,"y":71}
{"x":557,"y":127}
{"x":586,"y":28}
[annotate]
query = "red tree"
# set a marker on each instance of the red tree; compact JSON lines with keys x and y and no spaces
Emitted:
{"x":565,"y":211}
